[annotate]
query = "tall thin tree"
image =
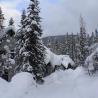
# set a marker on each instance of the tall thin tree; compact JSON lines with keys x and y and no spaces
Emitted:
{"x":83,"y":41}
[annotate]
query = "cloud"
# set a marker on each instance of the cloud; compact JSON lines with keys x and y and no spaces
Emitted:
{"x":10,"y":9}
{"x":59,"y":16}
{"x":62,"y":16}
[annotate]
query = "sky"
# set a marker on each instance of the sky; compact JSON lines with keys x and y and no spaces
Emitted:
{"x":58,"y":16}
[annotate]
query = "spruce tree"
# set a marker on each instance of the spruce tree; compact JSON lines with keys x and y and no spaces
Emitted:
{"x":1,"y":20}
{"x":77,"y":49}
{"x":11,"y":22}
{"x":33,"y":60}
{"x":72,"y":47}
{"x":83,"y":41}
{"x":96,"y":36}
{"x":68,"y":44}
{"x":92,"y":40}
{"x":20,"y":41}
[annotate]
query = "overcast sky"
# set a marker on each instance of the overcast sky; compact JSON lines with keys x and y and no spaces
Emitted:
{"x":59,"y":16}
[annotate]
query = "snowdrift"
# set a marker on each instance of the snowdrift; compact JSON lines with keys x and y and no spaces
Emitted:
{"x":18,"y":86}
{"x":54,"y":59}
{"x":61,"y":84}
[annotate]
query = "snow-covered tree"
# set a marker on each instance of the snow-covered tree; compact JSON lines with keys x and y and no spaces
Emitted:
{"x":1,"y":19}
{"x":68,"y":44}
{"x":92,"y":39}
{"x":33,"y":49}
{"x":72,"y":46}
{"x":83,"y":41}
{"x":96,"y":35}
{"x":2,"y":51}
{"x":20,"y":41}
{"x":11,"y":21}
{"x":8,"y":45}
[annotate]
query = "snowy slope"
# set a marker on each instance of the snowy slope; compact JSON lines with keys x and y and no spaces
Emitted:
{"x":61,"y":84}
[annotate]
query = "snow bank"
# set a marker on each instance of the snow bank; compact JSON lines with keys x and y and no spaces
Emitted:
{"x":54,"y":59}
{"x":67,"y":84}
{"x":61,"y":84}
{"x":3,"y":87}
{"x":19,"y":85}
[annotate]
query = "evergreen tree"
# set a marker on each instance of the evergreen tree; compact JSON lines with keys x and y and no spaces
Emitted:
{"x":11,"y":22}
{"x":96,"y":36}
{"x":92,"y":38}
{"x":77,"y":49}
{"x":68,"y":44}
{"x":1,"y":19}
{"x":20,"y":41}
{"x":33,"y":60}
{"x":72,"y":47}
{"x":83,"y":41}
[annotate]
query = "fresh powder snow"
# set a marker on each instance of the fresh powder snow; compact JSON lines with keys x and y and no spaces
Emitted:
{"x":61,"y":84}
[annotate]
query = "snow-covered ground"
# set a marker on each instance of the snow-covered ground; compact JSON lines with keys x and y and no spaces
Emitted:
{"x":61,"y":84}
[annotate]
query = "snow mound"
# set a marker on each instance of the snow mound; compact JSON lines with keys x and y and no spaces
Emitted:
{"x":19,"y":85}
{"x":3,"y":87}
{"x":22,"y":79}
{"x":67,"y":84}
{"x":54,"y":59}
{"x":61,"y":84}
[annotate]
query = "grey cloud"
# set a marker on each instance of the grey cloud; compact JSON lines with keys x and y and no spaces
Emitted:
{"x":63,"y":16}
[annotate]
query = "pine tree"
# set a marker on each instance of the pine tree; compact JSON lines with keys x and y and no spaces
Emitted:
{"x":20,"y":41}
{"x":92,"y":39}
{"x":72,"y":47}
{"x":77,"y":49}
{"x":83,"y":41}
{"x":68,"y":44}
{"x":1,"y":19}
{"x":11,"y":22}
{"x":96,"y":36}
{"x":33,"y":60}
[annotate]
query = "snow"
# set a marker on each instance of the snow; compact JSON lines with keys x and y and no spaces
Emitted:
{"x":8,"y":41}
{"x":10,"y":28}
{"x":36,"y":10}
{"x":21,"y":50}
{"x":61,"y":84}
{"x":89,"y":62}
{"x":19,"y":86}
{"x":28,"y":29}
{"x":93,"y":47}
{"x":34,"y":22}
{"x":58,"y":59}
{"x":7,"y":48}
{"x":11,"y":61}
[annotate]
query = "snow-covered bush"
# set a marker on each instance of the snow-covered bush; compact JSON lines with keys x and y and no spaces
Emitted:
{"x":58,"y":61}
{"x":91,"y":62}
